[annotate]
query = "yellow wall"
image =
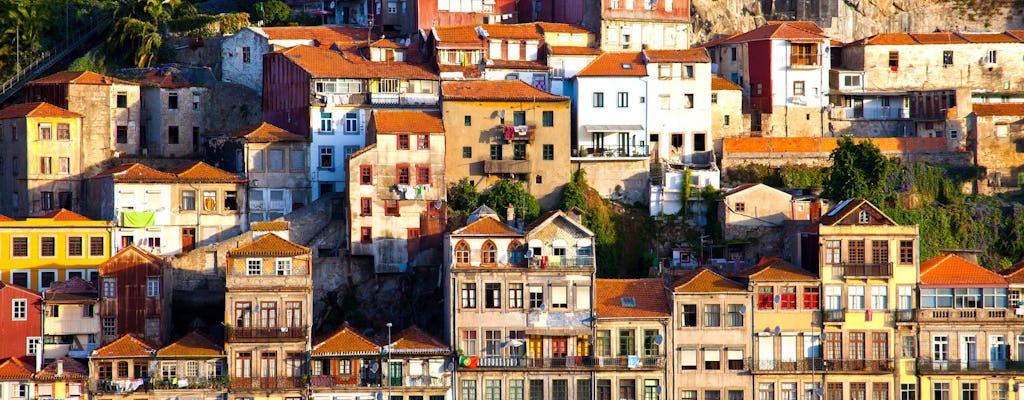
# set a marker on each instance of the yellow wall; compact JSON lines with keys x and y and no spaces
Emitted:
{"x":36,"y":228}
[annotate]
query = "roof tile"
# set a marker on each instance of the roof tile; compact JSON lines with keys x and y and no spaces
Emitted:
{"x":415,"y":340}
{"x":695,"y":55}
{"x":526,"y":31}
{"x":775,"y":269}
{"x":322,"y":35}
{"x":998,"y":109}
{"x":324,"y":63}
{"x":558,"y":27}
{"x":705,"y":281}
{"x":719,"y":83}
{"x":266,"y":132}
{"x":487,"y":225}
{"x":14,"y":369}
{"x":198,"y":171}
{"x":64,"y":214}
{"x":346,"y":341}
{"x":194,"y":344}
{"x":136,"y":172}
{"x":266,"y":226}
{"x":778,"y":30}
{"x":269,"y":245}
{"x":80,"y":78}
{"x":37,"y":109}
{"x":615,"y":64}
{"x":125,"y":346}
{"x":573,"y":51}
{"x":951,"y":269}
{"x":505,"y":90}
{"x":649,"y":298}
{"x":72,"y":371}
{"x":458,"y":34}
{"x":404,"y":121}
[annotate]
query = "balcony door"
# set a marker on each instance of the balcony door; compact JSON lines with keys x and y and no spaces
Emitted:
{"x":968,"y":351}
{"x":998,"y":351}
{"x":766,"y":352}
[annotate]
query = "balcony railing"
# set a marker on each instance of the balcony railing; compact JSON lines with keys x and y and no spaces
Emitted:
{"x":284,"y":382}
{"x":804,"y":365}
{"x":904,"y":315}
{"x":967,"y":315}
{"x":866,"y":269}
{"x":263,"y":333}
{"x":194,"y":382}
{"x":803,"y":60}
{"x":865,"y":366}
{"x":328,"y":381}
{"x":628,"y":362}
{"x":928,"y":365}
{"x":572,"y":362}
{"x":544,"y":262}
{"x":119,"y":385}
{"x":834,"y":315}
{"x":586,"y":150}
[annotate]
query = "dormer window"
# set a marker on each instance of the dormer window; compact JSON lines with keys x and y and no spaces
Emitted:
{"x":627,"y":66}
{"x":863,"y":217}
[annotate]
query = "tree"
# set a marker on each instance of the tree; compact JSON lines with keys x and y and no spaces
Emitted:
{"x":273,"y":12}
{"x":506,"y":192}
{"x":574,"y":193}
{"x":462,"y":196}
{"x":858,"y":170}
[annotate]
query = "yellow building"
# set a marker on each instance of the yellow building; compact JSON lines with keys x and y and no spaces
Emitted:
{"x":63,"y":378}
{"x":868,"y":268}
{"x":53,"y":247}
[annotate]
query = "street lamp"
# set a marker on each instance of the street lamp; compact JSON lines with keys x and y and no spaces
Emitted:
{"x":388,"y":359}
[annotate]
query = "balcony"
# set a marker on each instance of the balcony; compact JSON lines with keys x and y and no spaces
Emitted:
{"x":905,"y":315}
{"x":507,"y":166}
{"x":629,"y":362}
{"x":557,"y":262}
{"x":337,"y":381}
{"x":266,"y":333}
{"x":584,"y":151}
{"x":118,"y":385}
{"x":778,"y":366}
{"x":947,"y":315}
{"x":403,"y":99}
{"x":834,"y":315}
{"x":195,"y":382}
{"x":927,"y":365}
{"x":865,"y":270}
{"x":798,"y":60}
{"x":861,"y":366}
{"x":273,"y":383}
{"x":297,"y":279}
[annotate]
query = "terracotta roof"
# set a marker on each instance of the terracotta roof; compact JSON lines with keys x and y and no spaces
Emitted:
{"x":573,"y":51}
{"x":504,"y":90}
{"x":1015,"y":274}
{"x":115,"y":259}
{"x":631,"y":298}
{"x":164,"y":79}
{"x":263,"y":226}
{"x":37,"y":109}
{"x":136,"y":172}
{"x":458,"y":34}
{"x":775,"y":269}
{"x":14,"y":369}
{"x":5,"y":218}
{"x":945,"y":37}
{"x":998,"y":109}
{"x":415,"y":340}
{"x":363,"y":150}
{"x":266,"y":132}
{"x":516,"y":64}
{"x":403,"y":121}
{"x":80,"y":78}
{"x":848,"y":206}
{"x":72,"y":371}
{"x":125,"y":346}
{"x":719,"y":83}
{"x":198,"y":171}
{"x":989,"y":37}
{"x":951,"y":269}
{"x":269,"y":245}
{"x":194,"y":344}
{"x":557,"y":27}
{"x":346,"y":342}
{"x":800,"y":30}
{"x":809,"y":26}
{"x":512,"y":31}
{"x":387,"y":44}
{"x":705,"y":281}
{"x":324,"y":63}
{"x":740,"y":188}
{"x":695,"y":55}
{"x":615,"y":64}
{"x":468,"y":71}
{"x":72,"y":290}
{"x":486,"y":226}
{"x":64,"y":214}
{"x":321,"y":35}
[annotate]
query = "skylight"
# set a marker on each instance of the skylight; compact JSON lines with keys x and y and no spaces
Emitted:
{"x":628,"y":301}
{"x":627,"y":66}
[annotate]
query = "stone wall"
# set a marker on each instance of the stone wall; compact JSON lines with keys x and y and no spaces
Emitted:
{"x":774,"y":152}
{"x":626,"y":181}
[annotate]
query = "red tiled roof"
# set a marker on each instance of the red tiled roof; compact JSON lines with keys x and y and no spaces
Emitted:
{"x":775,"y":269}
{"x":512,"y":31}
{"x":1015,"y":274}
{"x":5,"y":218}
{"x":719,"y":83}
{"x":468,"y":71}
{"x":198,"y":171}
{"x":64,"y":214}
{"x":125,"y":346}
{"x":322,"y":35}
{"x":266,"y":132}
{"x":486,"y":226}
{"x":415,"y":340}
{"x":269,"y":245}
{"x":166,"y":80}
{"x":27,"y":291}
{"x":945,"y":37}
{"x":346,"y":341}
{"x":558,"y":27}
{"x":695,"y":55}
{"x":998,"y":109}
{"x":404,"y":121}
{"x":573,"y":51}
{"x":505,"y":90}
{"x":616,"y":64}
{"x":266,"y":226}
{"x":951,"y":269}
{"x":458,"y":34}
{"x":14,"y":369}
{"x":705,"y":281}
{"x":387,"y":44}
{"x":324,"y":63}
{"x":194,"y":344}
{"x":136,"y":172}
{"x":72,"y":371}
{"x":74,"y":290}
{"x":79,"y":78}
{"x":988,"y":37}
{"x":649,"y":298}
{"x":800,"y":30}
{"x":37,"y":109}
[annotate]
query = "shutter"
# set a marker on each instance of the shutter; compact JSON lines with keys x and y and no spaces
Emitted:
{"x":788,"y":348}
{"x":766,"y":348}
{"x":712,"y":355}
{"x":559,"y":295}
{"x":812,"y":346}
{"x":689,"y":358}
{"x":735,"y":354}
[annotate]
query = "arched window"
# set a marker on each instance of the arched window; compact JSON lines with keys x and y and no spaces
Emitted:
{"x":462,"y":252}
{"x":515,"y":252}
{"x":864,"y":217}
{"x":488,"y":253}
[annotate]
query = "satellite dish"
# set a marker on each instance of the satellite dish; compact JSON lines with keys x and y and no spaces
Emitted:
{"x":743,"y":309}
{"x":824,"y":336}
{"x":658,"y":389}
{"x":374,"y":367}
{"x":778,"y":299}
{"x":332,"y":5}
{"x":502,"y":113}
{"x":777,"y":330}
{"x":658,"y":339}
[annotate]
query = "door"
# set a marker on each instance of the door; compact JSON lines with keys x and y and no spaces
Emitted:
{"x":766,"y":353}
{"x":998,"y":351}
{"x":968,"y":351}
{"x":188,"y":239}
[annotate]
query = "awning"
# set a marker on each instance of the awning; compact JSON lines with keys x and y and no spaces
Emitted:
{"x":137,"y":219}
{"x":613,"y":128}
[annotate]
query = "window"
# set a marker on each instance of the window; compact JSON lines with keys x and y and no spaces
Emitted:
{"x":906,"y":252}
{"x":351,"y":123}
{"x":209,"y":200}
{"x":627,"y":342}
{"x":627,"y":389}
{"x":283,"y":267}
{"x":991,"y":57}
{"x":712,"y":315}
{"x":46,"y":165}
{"x":999,"y":390}
{"x":63,"y":131}
{"x":765,"y":298}
{"x":855,"y":250}
{"x":96,"y":246}
{"x":45,"y":131}
{"x":403,"y":142}
{"x":812,"y":297}
{"x":423,"y":141}
{"x":109,"y":287}
{"x":856,"y":297}
{"x":172,"y":101}
{"x":798,"y":88}
{"x":880,"y":297}
{"x":46,"y":198}
{"x":19,"y":309}
{"x":515,"y":295}
{"x":858,"y":391}
{"x":940,"y":390}
{"x":735,"y":317}
{"x":559,"y":297}
{"x":75,"y":246}
{"x":188,"y":200}
{"x":47,"y":246}
{"x":766,"y":391}
{"x":940,"y":348}
{"x":788,"y":298}
{"x":622,"y":100}
{"x":519,"y":151}
{"x":536,"y":296}
{"x":894,"y":60}
{"x":735,"y":395}
{"x":46,"y":279}
{"x":19,"y":246}
{"x":254,"y":266}
{"x":365,"y":175}
{"x":548,"y":118}
{"x":365,"y":235}
{"x":468,"y":295}
{"x":863,"y":217}
{"x":495,"y":151}
{"x":32,"y":345}
{"x":598,"y":99}
{"x":689,"y":315}
{"x":365,"y":208}
{"x":908,"y":391}
{"x":422,"y":174}
{"x":735,"y":358}
{"x":688,"y":100}
{"x":122,"y":99}
{"x":122,"y":134}
{"x":688,"y":71}
{"x":231,"y":200}
{"x":712,"y":359}
{"x":153,"y":286}
{"x":391,"y":208}
{"x":880,"y":251}
{"x":172,"y":135}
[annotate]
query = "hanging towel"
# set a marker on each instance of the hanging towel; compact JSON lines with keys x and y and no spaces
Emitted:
{"x":137,"y":219}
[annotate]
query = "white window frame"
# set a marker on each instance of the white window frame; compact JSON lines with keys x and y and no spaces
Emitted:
{"x":32,"y":344}
{"x":283,"y":266}
{"x":19,"y":307}
{"x":253,"y":262}
{"x":153,"y":286}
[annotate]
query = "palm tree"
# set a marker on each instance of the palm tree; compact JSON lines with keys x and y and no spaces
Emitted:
{"x":137,"y":28}
{"x":23,"y":26}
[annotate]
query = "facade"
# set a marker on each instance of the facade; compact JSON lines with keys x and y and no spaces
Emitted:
{"x":193,"y":366}
{"x":507,"y":129}
{"x":63,"y":378}
{"x":397,"y":189}
{"x":16,"y":378}
{"x":135,"y":297}
{"x":346,"y":365}
{"x":726,"y":112}
{"x":44,"y":157}
{"x":567,"y":49}
{"x":71,"y":319}
{"x":276,"y":163}
{"x":121,"y":369}
{"x":783,"y":68}
{"x":631,"y":339}
{"x":436,"y":13}
{"x":530,"y":332}
{"x":268,"y":307}
{"x":711,"y":336}
{"x":57,"y":246}
{"x":169,"y":212}
{"x":993,"y":129}
{"x":629,"y":24}
{"x":21,"y":315}
{"x":172,"y":112}
{"x":111,"y":109}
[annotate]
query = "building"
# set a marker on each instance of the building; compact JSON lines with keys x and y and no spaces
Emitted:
{"x":530,"y":333}
{"x":172,"y":111}
{"x":567,"y":49}
{"x":16,"y":378}
{"x":786,"y":332}
{"x":711,"y":336}
{"x":993,"y":130}
{"x":627,"y":24}
{"x":328,"y":95}
{"x":416,"y":366}
{"x":276,"y":163}
{"x":111,"y":113}
{"x":193,"y":366}
{"x":169,"y":212}
{"x":442,"y":13}
{"x":21,"y":321}
{"x":346,"y":365}
{"x":868,"y":269}
{"x":57,"y":246}
{"x":71,"y":319}
{"x":46,"y":170}
{"x":727,"y":119}
{"x":242,"y":53}
{"x":397,"y":190}
{"x":507,"y":129}
{"x":631,"y":339}
{"x":268,"y":315}
{"x":121,"y":369}
{"x":756,"y":213}
{"x":63,"y":378}
{"x":783,"y":68}
{"x":135,"y":296}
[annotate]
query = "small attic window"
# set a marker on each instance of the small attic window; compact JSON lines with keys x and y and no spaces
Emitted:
{"x":864,"y":217}
{"x":628,"y":302}
{"x":627,"y":66}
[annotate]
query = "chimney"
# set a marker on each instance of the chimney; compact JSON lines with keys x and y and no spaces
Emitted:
{"x":60,"y":367}
{"x":510,"y":215}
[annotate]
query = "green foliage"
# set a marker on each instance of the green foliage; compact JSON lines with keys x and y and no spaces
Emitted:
{"x":803,"y":177}
{"x":574,"y":194}
{"x":507,"y":191}
{"x":462,"y":196}
{"x":94,"y":60}
{"x":793,"y":176}
{"x":858,"y":170}
{"x":272,"y":13}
